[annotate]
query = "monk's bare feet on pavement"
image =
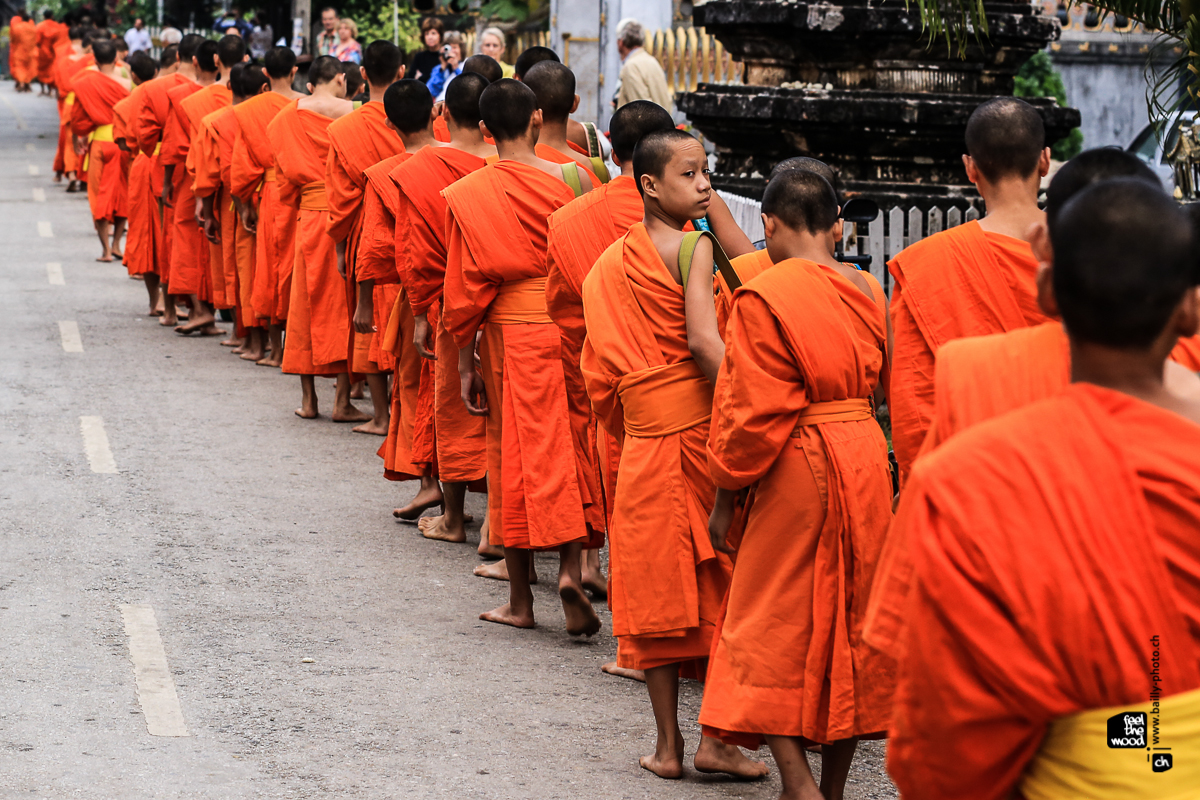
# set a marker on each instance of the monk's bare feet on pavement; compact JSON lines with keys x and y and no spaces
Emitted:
{"x":371,"y":427}
{"x":581,"y":617}
{"x":716,"y":756}
{"x":441,"y":529}
{"x":667,"y":760}
{"x":105,"y":259}
{"x":486,"y":549}
{"x":621,"y":672}
{"x":356,"y":391}
{"x":430,"y":495}
{"x":350,"y":414}
{"x":504,"y":615}
{"x":233,"y":341}
{"x":199,"y":329}
{"x":593,"y":579}
{"x":271,"y":360}
{"x":498,"y":571}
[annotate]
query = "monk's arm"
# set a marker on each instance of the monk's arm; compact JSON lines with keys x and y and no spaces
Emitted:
{"x":345,"y":201}
{"x":733,"y":239}
{"x":704,"y":341}
{"x":364,"y":311}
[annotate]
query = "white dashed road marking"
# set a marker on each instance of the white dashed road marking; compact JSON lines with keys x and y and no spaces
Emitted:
{"x":34,"y":170}
{"x":95,"y":444}
{"x":44,"y":230}
{"x":55,"y":275}
{"x":29,"y":146}
{"x":71,"y":342}
{"x":39,"y":194}
{"x":156,"y":688}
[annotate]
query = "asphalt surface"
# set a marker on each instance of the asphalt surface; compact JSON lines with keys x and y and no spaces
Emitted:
{"x":317,"y":647}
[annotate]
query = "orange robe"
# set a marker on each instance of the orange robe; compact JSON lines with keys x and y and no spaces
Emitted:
{"x":545,"y":151}
{"x":356,"y":141}
{"x":95,"y":96}
{"x":377,"y":260}
{"x":212,"y":149}
{"x":190,"y":255}
{"x":317,"y":320}
{"x":66,"y":67}
{"x":1050,"y":545}
{"x":748,"y":266}
{"x":49,"y":34}
{"x":459,"y":440}
{"x":152,"y":123}
{"x":256,"y":182}
{"x":495,"y":278}
{"x":792,"y":416}
{"x":1187,"y":352}
{"x":960,"y":282}
{"x":666,"y":582}
{"x":141,"y":210}
{"x":579,"y":233}
{"x":23,"y":50}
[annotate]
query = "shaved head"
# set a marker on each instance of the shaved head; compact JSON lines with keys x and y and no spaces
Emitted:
{"x":554,"y":86}
{"x":323,"y":70}
{"x":533,"y":55}
{"x":1006,"y":137}
{"x":483,"y":65}
{"x":408,"y":105}
{"x":170,"y":55}
{"x":279,"y":62}
{"x":188,"y":45}
{"x":1093,"y":166}
{"x":802,"y":200}
{"x":354,"y":78}
{"x":143,"y":65}
{"x":654,"y":152}
{"x":252,"y":82}
{"x":507,"y":107}
{"x":806,"y":164}
{"x":381,"y":61}
{"x":104,"y":51}
{"x":462,"y":98}
{"x":206,"y":56}
{"x":231,"y":50}
{"x":634,"y":121}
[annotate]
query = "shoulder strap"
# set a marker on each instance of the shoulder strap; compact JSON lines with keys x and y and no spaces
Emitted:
{"x":600,"y":169}
{"x":593,"y":139}
{"x":687,"y":249}
{"x":570,"y":175}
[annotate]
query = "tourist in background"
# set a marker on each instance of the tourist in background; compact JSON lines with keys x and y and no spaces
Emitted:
{"x":450,"y":57}
{"x":426,"y":61}
{"x":642,"y":77}
{"x":260,"y":37}
{"x":347,"y":47}
{"x":138,"y":38}
{"x":326,"y":37}
{"x":492,"y":43}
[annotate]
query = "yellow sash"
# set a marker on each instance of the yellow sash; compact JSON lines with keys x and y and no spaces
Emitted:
{"x":1075,"y":760}
{"x":665,"y":399}
{"x":520,"y":302}
{"x":104,"y":133}
{"x":313,"y":197}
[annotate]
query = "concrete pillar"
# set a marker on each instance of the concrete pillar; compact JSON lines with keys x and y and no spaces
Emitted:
{"x":302,"y":10}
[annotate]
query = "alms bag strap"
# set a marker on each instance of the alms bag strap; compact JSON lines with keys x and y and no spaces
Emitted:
{"x":687,"y":249}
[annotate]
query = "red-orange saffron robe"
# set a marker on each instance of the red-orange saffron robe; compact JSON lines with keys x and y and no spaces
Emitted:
{"x":66,"y":66}
{"x":666,"y":582}
{"x":212,"y":150}
{"x":792,"y":415}
{"x":1050,"y":545}
{"x":495,"y":279}
{"x":95,"y":96}
{"x":142,"y":211}
{"x":23,"y":50}
{"x":50,"y":34}
{"x":152,"y":122}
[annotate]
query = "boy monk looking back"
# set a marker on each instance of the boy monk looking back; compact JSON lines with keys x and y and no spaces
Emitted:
{"x":496,"y":280}
{"x":649,"y":361}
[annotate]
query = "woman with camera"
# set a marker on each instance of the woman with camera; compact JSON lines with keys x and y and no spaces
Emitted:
{"x":450,"y":65}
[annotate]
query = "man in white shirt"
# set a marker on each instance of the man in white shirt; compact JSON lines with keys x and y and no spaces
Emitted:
{"x":138,"y":38}
{"x":642,"y":77}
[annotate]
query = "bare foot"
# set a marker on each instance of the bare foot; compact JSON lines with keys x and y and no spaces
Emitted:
{"x":486,"y":549}
{"x":504,"y":615}
{"x":596,"y":585}
{"x":168,"y":322}
{"x":715,"y":756}
{"x":304,"y":413}
{"x":270,"y":361}
{"x":581,"y":617}
{"x":115,"y":254}
{"x":668,"y":765}
{"x":351,"y":414}
{"x":437,"y":528}
{"x":621,"y":672}
{"x":105,"y":259}
{"x":371,"y":428}
{"x":356,"y":390}
{"x":498,"y":571}
{"x":200,"y":329}
{"x":248,"y":355}
{"x":234,"y":342}
{"x":426,"y":498}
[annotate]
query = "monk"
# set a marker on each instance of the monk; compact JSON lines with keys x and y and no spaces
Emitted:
{"x":71,"y":59}
{"x":527,"y":60}
{"x":651,"y":355}
{"x":1054,"y":547}
{"x":267,"y":215}
{"x":981,"y":377}
{"x":191,"y":258}
{"x":495,"y":286}
{"x":458,"y":437}
{"x":359,"y":140}
{"x":155,"y":112}
{"x":23,"y":51}
{"x":976,"y":278}
{"x":318,"y":322}
{"x":50,"y":34}
{"x":96,"y":92}
{"x":554,"y":86}
{"x":805,"y":351}
{"x":142,"y":220}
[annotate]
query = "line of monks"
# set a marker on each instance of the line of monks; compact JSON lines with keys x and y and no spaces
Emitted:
{"x":546,"y":345}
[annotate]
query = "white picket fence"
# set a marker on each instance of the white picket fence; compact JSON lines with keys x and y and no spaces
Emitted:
{"x":892,"y":231}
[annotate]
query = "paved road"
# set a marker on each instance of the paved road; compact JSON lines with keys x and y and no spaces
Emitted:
{"x":317,"y":648}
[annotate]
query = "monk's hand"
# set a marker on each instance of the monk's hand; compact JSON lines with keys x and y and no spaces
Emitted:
{"x":421,"y":337}
{"x":249,"y":216}
{"x":340,"y":249}
{"x":212,"y":231}
{"x":721,"y":519}
{"x":166,"y":195}
{"x":364,"y":319}
{"x":474,"y":394}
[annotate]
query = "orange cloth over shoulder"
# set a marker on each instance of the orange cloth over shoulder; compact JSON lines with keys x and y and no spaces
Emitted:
{"x":1187,"y":352}
{"x":802,"y":342}
{"x":579,"y":233}
{"x":95,"y":96}
{"x":358,"y":140}
{"x":212,"y":151}
{"x":49,"y":34}
{"x":495,"y":278}
{"x":66,"y":67}
{"x":748,"y":267}
{"x":666,"y":582}
{"x":142,"y":211}
{"x":317,"y":323}
{"x":548,"y":153}
{"x":960,"y":282}
{"x":376,"y":251}
{"x":460,"y":443}
{"x":1049,"y":545}
{"x":23,"y":50}
{"x":255,"y":181}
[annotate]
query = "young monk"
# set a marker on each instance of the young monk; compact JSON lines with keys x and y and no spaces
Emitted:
{"x":430,"y":353}
{"x":359,"y":140}
{"x":649,"y":361}
{"x":806,"y":349}
{"x":267,"y":214}
{"x":96,"y":92}
{"x":973,"y":279}
{"x":317,"y":322}
{"x":981,"y":377}
{"x":49,"y":34}
{"x":140,"y":244}
{"x":1055,"y":550}
{"x":156,"y":111}
{"x":495,"y":285}
{"x":71,"y":59}
{"x":554,"y":86}
{"x":23,"y":51}
{"x":254,"y":82}
{"x":191,"y":257}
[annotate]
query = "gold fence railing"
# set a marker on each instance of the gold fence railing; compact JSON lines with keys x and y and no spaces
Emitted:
{"x":690,"y":56}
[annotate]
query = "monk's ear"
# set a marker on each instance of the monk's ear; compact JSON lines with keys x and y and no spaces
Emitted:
{"x":483,"y":128}
{"x":575,"y":105}
{"x":264,"y":72}
{"x":971,"y":169}
{"x":768,"y":221}
{"x":246,"y":57}
{"x":363,"y":72}
{"x":392,"y":127}
{"x":1047,"y":302}
{"x":292,"y":76}
{"x":1039,"y":242}
{"x":400,"y":73}
{"x":1187,"y":315}
{"x":1044,"y":163}
{"x":309,"y":86}
{"x":839,"y":230}
{"x":648,"y":187}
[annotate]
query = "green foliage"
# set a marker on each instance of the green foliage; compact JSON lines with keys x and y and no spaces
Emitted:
{"x":1038,"y":78}
{"x":376,"y":23}
{"x":505,"y":10}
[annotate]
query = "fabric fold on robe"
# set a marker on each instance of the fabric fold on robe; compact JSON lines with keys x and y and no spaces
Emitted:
{"x":748,"y":267}
{"x":66,"y":67}
{"x":961,"y":282}
{"x":211,"y":153}
{"x":92,"y":118}
{"x":141,"y":237}
{"x":1050,"y":545}
{"x":23,"y":50}
{"x":50,"y":34}
{"x":495,"y":278}
{"x":788,"y":659}
{"x":666,"y":582}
